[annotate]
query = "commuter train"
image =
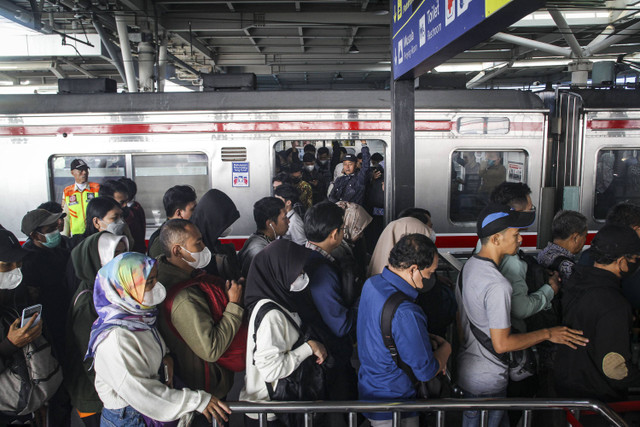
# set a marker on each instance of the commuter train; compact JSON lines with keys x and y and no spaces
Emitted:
{"x":575,"y":149}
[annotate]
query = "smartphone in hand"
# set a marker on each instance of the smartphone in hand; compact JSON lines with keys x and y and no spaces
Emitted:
{"x":28,"y":312}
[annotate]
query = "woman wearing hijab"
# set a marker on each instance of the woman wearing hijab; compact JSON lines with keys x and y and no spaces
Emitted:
{"x":276,"y":348}
{"x":214,"y":215}
{"x":389,"y":237}
{"x":352,"y":252}
{"x":129,"y":354}
{"x":86,"y":259}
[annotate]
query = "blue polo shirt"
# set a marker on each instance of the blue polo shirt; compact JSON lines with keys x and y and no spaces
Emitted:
{"x":379,"y":378}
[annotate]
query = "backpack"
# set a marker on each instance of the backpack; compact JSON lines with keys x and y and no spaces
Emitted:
{"x":537,"y":276}
{"x":213,"y":289}
{"x":28,"y":378}
{"x":305,"y":383}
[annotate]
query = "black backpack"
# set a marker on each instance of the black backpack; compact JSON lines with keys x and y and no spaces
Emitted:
{"x":537,"y":276}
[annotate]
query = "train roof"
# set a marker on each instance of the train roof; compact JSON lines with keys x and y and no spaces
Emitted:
{"x":264,"y":100}
{"x":609,"y":98}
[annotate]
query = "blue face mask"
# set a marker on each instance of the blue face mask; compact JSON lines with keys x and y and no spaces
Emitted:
{"x":53,"y":239}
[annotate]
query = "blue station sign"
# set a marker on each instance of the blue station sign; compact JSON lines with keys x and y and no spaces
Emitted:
{"x":428,"y":32}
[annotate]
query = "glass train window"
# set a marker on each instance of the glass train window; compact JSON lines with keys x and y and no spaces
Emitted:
{"x":155,"y":173}
{"x":102,"y":168}
{"x":288,"y":151}
{"x":474,"y":174}
{"x":617,"y":179}
{"x":483,"y":125}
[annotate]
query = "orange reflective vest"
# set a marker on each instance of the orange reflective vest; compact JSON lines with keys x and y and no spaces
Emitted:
{"x":76,"y":203}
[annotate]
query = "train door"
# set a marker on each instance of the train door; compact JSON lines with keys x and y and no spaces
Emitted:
{"x":611,"y":162}
{"x":465,"y":157}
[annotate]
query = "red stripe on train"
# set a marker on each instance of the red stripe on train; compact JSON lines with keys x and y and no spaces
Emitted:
{"x":613,"y":124}
{"x":238,"y":127}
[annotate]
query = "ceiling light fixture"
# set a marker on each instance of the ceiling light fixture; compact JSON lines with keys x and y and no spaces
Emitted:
{"x":354,"y":48}
{"x":339,"y":76}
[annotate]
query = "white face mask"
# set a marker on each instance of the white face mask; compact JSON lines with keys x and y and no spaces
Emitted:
{"x":309,"y":168}
{"x":10,"y":279}
{"x":227,"y":231}
{"x":301,"y":282}
{"x":432,"y":235}
{"x":155,"y":296}
{"x":129,"y":204}
{"x":116,"y":227}
{"x":202,"y":258}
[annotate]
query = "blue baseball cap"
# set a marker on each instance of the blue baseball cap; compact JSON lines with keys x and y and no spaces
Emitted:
{"x":496,"y":218}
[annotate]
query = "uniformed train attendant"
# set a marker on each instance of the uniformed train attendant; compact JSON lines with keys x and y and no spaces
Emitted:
{"x":76,"y":197}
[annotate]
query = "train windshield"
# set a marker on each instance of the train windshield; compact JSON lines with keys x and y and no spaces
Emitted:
{"x":617,"y":179}
{"x":474,"y":175}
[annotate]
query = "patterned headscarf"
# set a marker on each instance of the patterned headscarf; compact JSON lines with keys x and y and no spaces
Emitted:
{"x":117,"y":295}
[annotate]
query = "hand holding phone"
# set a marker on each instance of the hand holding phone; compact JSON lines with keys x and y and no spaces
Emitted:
{"x":21,"y":336}
{"x":28,"y":312}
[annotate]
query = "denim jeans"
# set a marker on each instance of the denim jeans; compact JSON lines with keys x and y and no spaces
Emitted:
{"x":124,"y":417}
{"x":496,"y":418}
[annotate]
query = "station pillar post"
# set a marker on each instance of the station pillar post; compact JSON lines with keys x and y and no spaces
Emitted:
{"x":402,"y":177}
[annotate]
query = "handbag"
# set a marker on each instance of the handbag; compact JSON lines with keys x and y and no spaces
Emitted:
{"x":305,"y":383}
{"x":521,"y":363}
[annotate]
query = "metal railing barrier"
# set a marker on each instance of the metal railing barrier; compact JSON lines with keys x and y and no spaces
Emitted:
{"x":439,"y":406}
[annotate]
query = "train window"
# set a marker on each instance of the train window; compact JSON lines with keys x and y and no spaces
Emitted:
{"x":617,"y":179}
{"x":483,"y":125}
{"x":102,"y":169}
{"x":352,"y":146}
{"x":155,"y":173}
{"x":474,"y":174}
{"x":234,"y":154}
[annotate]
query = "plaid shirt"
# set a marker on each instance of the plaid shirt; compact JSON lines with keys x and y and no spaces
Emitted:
{"x":322,"y":252}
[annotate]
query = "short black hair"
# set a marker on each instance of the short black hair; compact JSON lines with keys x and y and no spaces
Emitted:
{"x":308,"y":157}
{"x":321,"y":219}
{"x":267,"y":209}
{"x":132,"y":187}
{"x":624,"y":214}
{"x":309,"y":148}
{"x":98,"y":207}
{"x":420,"y":214}
{"x":566,"y":223}
{"x":512,"y":194}
{"x":377,"y":157}
{"x":322,"y":150}
{"x":282,"y":177}
{"x":178,"y":197}
{"x":53,"y":207}
{"x":172,"y":232}
{"x":288,"y":192}
{"x":359,"y":156}
{"x":111,"y":187}
{"x":413,"y":249}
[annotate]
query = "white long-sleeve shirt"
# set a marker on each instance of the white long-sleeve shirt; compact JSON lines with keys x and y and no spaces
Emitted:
{"x":274,"y":356}
{"x":296,"y":229}
{"x":127,"y":365}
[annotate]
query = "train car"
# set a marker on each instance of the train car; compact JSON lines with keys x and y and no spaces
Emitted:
{"x":465,"y":143}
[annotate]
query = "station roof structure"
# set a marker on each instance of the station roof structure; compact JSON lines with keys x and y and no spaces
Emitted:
{"x":307,"y":44}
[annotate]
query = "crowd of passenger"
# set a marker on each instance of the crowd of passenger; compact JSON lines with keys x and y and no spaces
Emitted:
{"x":154,"y":335}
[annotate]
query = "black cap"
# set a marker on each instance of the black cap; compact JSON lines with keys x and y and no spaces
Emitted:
{"x":79,"y":164}
{"x":616,"y":241}
{"x":350,"y":158}
{"x":495,"y":218}
{"x":308,"y":157}
{"x":38,"y":218}
{"x":10,"y":249}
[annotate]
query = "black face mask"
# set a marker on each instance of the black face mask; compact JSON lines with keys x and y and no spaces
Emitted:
{"x":427,"y":284}
{"x":296,"y":179}
{"x":632,"y":268}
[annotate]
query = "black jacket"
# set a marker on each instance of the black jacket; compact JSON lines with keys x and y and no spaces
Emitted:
{"x":593,"y":302}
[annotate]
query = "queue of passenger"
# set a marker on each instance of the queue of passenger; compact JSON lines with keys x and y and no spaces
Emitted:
{"x":310,"y":314}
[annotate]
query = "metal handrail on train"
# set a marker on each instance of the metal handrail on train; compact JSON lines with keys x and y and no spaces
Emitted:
{"x":439,"y":406}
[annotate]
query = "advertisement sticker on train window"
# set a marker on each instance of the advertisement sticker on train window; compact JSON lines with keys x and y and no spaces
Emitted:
{"x":240,"y":174}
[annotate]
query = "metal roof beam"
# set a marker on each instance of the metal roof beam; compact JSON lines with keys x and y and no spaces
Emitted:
{"x":252,"y":40}
{"x":78,"y":68}
{"x":486,"y":75}
{"x":300,"y":33}
{"x":198,"y":45}
{"x":566,"y":32}
{"x":241,"y":21}
{"x":623,"y":34}
{"x":534,"y":44}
